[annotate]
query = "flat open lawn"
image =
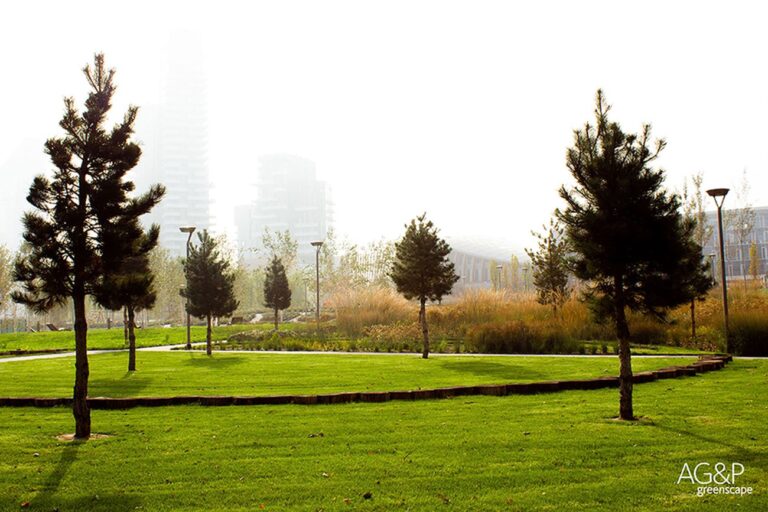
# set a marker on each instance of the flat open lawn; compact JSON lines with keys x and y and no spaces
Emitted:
{"x":182,"y":373}
{"x":553,"y":452}
{"x":113,"y":338}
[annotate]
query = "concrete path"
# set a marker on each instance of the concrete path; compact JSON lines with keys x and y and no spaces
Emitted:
{"x":168,"y":348}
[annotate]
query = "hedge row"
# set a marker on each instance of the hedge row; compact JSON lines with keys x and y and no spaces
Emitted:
{"x":702,"y":365}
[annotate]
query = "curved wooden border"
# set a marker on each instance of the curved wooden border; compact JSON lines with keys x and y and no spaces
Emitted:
{"x":706,"y":364}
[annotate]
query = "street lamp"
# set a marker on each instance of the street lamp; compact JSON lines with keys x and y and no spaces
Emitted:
{"x":498,"y":277}
{"x":718,"y":194}
{"x":189,"y":230}
{"x":317,"y":246}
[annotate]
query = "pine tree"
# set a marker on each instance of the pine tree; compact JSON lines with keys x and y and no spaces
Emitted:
{"x":211,"y":283}
{"x":630,"y":242}
{"x":550,"y":267}
{"x":421,"y":269}
{"x":80,"y":213}
{"x":129,"y":284}
{"x":277,"y":292}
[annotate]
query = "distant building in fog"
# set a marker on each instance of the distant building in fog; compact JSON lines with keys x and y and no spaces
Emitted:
{"x":288,"y":197}
{"x":737,"y":256}
{"x":175,"y":139}
{"x":476,"y":263}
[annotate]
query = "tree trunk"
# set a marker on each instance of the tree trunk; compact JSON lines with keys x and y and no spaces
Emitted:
{"x":80,"y":408}
{"x":424,"y":328}
{"x":131,"y":341}
{"x":276,"y":312}
{"x":208,"y":336}
{"x":125,"y":325}
{"x":693,"y":318}
{"x":625,"y":357}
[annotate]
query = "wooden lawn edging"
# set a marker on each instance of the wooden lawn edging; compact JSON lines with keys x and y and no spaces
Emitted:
{"x":704,"y":364}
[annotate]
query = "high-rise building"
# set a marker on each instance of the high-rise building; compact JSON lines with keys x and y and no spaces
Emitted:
{"x":289,"y":197}
{"x":174,"y":137}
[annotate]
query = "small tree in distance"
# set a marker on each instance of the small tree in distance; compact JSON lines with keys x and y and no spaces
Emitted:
{"x":630,"y":243}
{"x":129,"y":284}
{"x":421,"y":269}
{"x":277,"y":292}
{"x":550,"y":267}
{"x":211,"y":284}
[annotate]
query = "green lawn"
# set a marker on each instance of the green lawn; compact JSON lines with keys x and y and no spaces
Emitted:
{"x":552,"y":452}
{"x":113,"y":338}
{"x":182,"y":373}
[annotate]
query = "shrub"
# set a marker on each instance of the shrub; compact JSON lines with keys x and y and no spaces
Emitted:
{"x":749,"y":333}
{"x":517,"y":337}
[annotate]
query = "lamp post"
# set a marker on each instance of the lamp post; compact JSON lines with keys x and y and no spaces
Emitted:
{"x":189,"y":230}
{"x":718,"y":194}
{"x":317,"y":246}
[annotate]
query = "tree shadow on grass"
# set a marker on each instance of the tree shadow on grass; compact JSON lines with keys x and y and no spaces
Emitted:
{"x":214,"y":361}
{"x":506,"y":372}
{"x":129,"y":385}
{"x":47,"y":498}
{"x":739,"y":453}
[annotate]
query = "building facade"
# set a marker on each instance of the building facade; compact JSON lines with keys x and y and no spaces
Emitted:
{"x":737,"y":257}
{"x":289,"y":197}
{"x":174,"y":139}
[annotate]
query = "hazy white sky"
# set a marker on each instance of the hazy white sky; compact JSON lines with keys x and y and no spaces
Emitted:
{"x":463,"y":109}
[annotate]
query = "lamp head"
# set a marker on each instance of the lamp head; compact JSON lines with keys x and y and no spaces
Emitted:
{"x":717,"y":192}
{"x":316,"y":244}
{"x":187,"y":229}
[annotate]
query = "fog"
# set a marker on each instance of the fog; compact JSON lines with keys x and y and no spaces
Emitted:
{"x":460,"y":109}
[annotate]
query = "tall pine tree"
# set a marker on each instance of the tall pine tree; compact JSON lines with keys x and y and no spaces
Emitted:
{"x":211,"y":283}
{"x":277,"y":292}
{"x":79,"y":216}
{"x":421,"y":269}
{"x":631,"y":244}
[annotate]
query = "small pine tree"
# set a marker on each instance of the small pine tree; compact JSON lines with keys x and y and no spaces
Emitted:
{"x":421,"y":269}
{"x":211,"y":284}
{"x":277,"y":292}
{"x":129,"y":284}
{"x":550,"y":267}
{"x":80,"y":214}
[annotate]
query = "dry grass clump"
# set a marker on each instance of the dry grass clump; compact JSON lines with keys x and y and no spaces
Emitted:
{"x":500,"y":321}
{"x":365,"y":307}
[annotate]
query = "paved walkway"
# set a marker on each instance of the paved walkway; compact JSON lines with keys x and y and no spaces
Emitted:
{"x":168,"y":348}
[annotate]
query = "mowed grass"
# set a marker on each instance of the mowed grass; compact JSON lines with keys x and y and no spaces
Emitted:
{"x":550,"y":452}
{"x":194,"y":373}
{"x":113,"y":338}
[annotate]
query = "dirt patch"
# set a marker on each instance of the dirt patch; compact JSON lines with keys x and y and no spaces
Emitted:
{"x":71,"y":437}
